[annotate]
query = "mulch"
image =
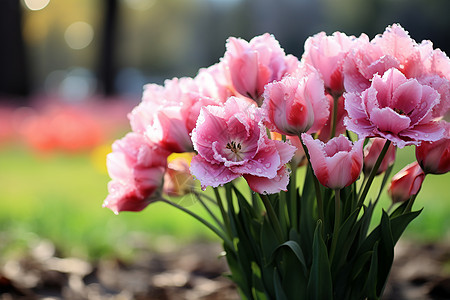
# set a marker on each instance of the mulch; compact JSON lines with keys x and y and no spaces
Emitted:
{"x":196,"y":271}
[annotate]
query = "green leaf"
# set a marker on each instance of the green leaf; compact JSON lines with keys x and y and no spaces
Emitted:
{"x":296,"y":249}
{"x":386,"y":253}
{"x":371,"y":282}
{"x":320,"y":284}
{"x":279,"y":292}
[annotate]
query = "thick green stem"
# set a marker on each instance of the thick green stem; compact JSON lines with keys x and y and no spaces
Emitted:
{"x":373,"y":173}
{"x":203,"y":221}
{"x":272,"y":217}
{"x":316,"y":182}
{"x":337,"y":221}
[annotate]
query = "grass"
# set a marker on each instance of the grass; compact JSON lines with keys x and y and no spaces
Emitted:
{"x":59,"y":197}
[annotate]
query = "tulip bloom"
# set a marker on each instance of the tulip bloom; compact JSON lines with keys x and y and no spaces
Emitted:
{"x":231,"y":141}
{"x":434,"y":158}
{"x":337,"y":163}
{"x":254,"y":64}
{"x":327,"y":55}
{"x":395,"y":108}
{"x":167,"y":114}
{"x":406,"y":183}
{"x":295,"y":105}
{"x":137,"y":169}
{"x":371,"y":153}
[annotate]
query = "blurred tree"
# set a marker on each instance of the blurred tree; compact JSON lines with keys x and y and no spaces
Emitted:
{"x":13,"y":62}
{"x":107,"y":69}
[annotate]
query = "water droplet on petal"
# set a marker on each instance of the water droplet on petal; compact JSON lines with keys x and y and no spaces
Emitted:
{"x":427,"y":135}
{"x":267,"y":165}
{"x":355,"y":121}
{"x":416,"y":134}
{"x":258,"y":170}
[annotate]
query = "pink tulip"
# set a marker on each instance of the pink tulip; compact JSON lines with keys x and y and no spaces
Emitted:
{"x":406,"y":183}
{"x":395,"y":49}
{"x":337,"y":163}
{"x":215,"y":82}
{"x":395,"y":108}
{"x":327,"y":54}
{"x":254,"y":64}
{"x":136,"y":168}
{"x":434,"y":157}
{"x":371,"y":153}
{"x":295,"y":105}
{"x":168,"y":114}
{"x":231,"y":141}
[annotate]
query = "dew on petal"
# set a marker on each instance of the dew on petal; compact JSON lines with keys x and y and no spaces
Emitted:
{"x":258,"y":170}
{"x":267,"y":165}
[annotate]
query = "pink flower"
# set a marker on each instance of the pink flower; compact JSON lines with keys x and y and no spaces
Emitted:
{"x":231,"y":141}
{"x":371,"y":153}
{"x":296,"y":104}
{"x":434,"y":157}
{"x":327,"y":54}
{"x":395,"y":49}
{"x":178,"y":180}
{"x":215,"y":82}
{"x":168,"y":114}
{"x":406,"y":183}
{"x":254,"y":64}
{"x":136,"y":168}
{"x":337,"y":163}
{"x":395,"y":108}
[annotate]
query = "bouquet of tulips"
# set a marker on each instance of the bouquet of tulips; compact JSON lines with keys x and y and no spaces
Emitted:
{"x":286,"y":150}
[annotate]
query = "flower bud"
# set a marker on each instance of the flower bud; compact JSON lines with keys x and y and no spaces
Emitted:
{"x":434,"y":157}
{"x":406,"y":183}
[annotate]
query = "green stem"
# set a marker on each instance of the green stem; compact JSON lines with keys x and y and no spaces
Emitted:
{"x":293,"y":196}
{"x":373,"y":173}
{"x":337,"y":221}
{"x":203,"y":221}
{"x":222,"y":210}
{"x":272,"y":217}
{"x":316,"y":182}
{"x":411,"y":200}
{"x":334,"y":116}
{"x":213,"y":215}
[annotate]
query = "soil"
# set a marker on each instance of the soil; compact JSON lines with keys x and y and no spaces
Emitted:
{"x":194,"y":272}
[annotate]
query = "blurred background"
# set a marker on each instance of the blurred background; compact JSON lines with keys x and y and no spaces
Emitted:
{"x":71,"y":70}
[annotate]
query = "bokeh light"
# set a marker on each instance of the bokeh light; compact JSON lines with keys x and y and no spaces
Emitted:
{"x":36,"y":4}
{"x":79,"y":35}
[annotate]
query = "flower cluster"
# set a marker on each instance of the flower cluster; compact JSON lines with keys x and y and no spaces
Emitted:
{"x":392,"y":88}
{"x":341,"y":110}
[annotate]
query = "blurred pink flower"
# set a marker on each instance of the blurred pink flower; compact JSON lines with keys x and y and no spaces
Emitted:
{"x":254,"y":64}
{"x":395,"y":108}
{"x":406,"y":183}
{"x":168,"y":114}
{"x":434,"y":157}
{"x":337,"y":163}
{"x":327,"y":54}
{"x":178,"y":180}
{"x":136,"y":168}
{"x":295,"y":105}
{"x":231,"y":141}
{"x":371,"y":153}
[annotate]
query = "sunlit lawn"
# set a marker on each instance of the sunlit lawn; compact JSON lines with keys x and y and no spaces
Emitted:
{"x":59,"y":197}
